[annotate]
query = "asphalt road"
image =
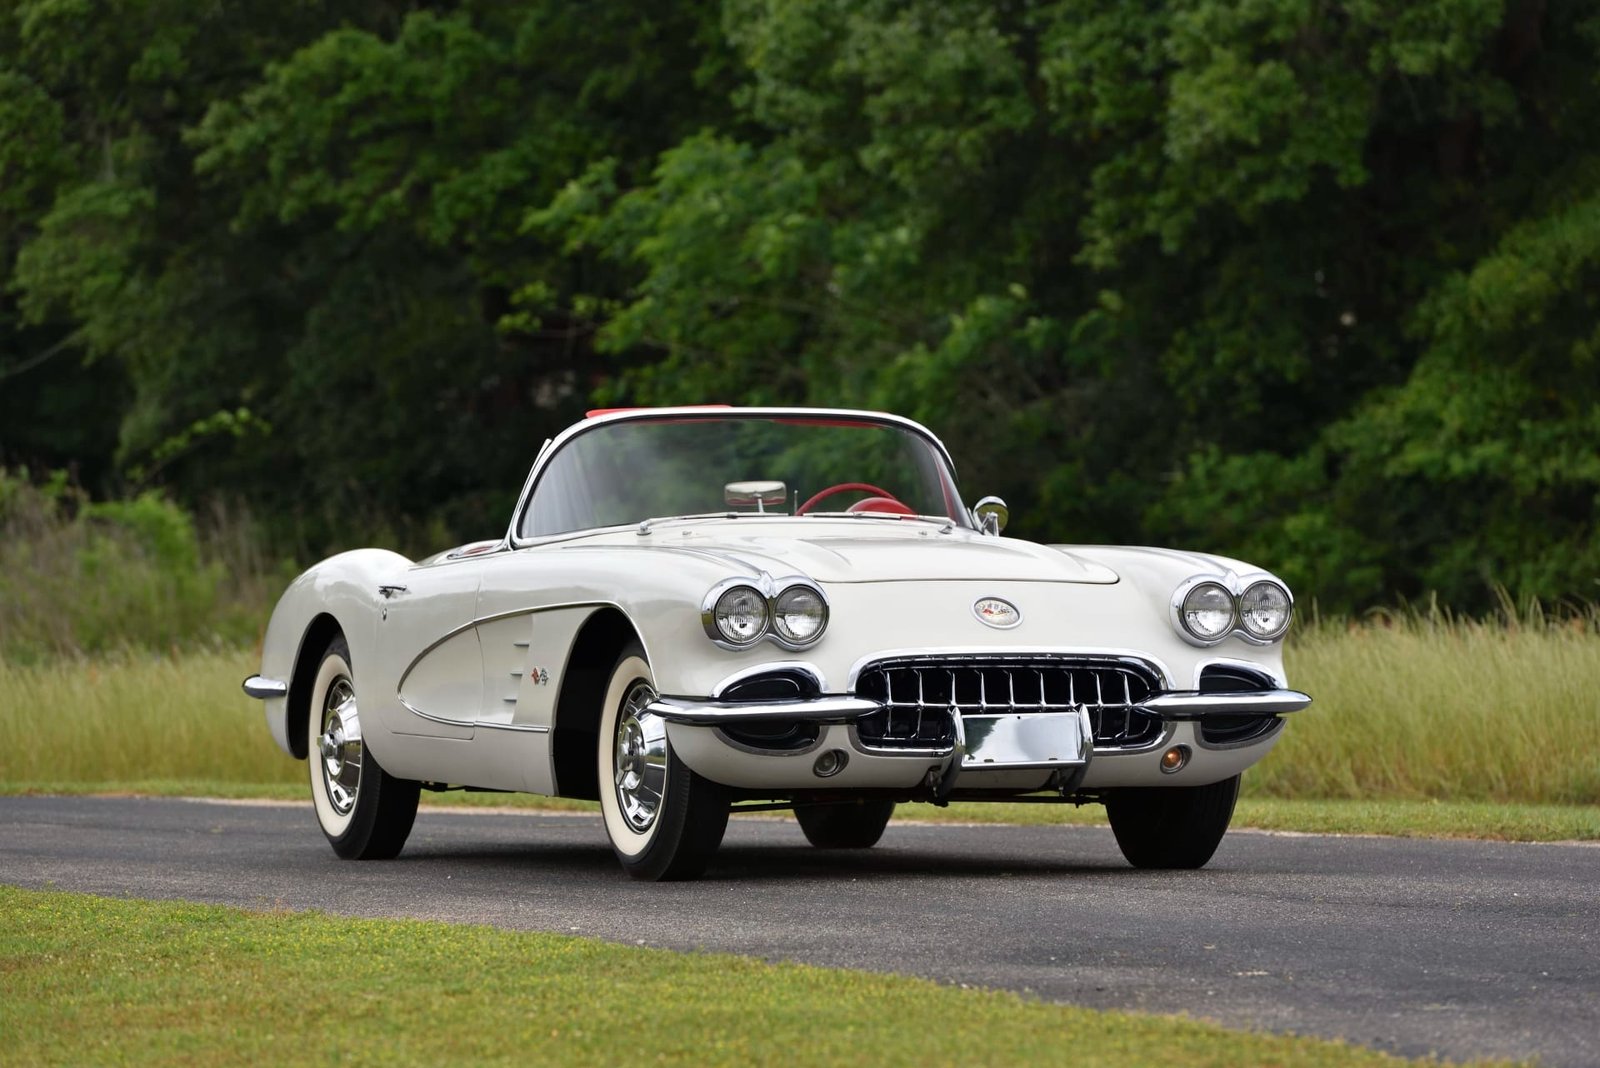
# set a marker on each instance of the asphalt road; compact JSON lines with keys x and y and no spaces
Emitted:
{"x":1464,"y":949}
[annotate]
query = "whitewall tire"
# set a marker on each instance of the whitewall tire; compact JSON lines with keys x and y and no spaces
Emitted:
{"x":663,"y":820}
{"x":365,"y":812}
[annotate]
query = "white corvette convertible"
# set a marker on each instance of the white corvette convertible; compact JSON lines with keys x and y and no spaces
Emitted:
{"x":698,"y":610}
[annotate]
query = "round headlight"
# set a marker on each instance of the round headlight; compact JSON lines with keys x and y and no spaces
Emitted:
{"x":799,"y":615}
{"x":741,"y":615}
{"x":1207,"y":611}
{"x":1264,"y":610}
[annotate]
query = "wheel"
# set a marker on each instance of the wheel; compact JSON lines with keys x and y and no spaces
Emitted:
{"x":1171,"y":826}
{"x":365,"y":812}
{"x":664,"y":821}
{"x":850,"y":825}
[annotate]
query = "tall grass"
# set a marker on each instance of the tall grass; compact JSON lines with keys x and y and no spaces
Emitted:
{"x":82,"y":577}
{"x":121,"y":625}
{"x":132,"y":717}
{"x":1424,"y":705}
{"x":1406,"y":708}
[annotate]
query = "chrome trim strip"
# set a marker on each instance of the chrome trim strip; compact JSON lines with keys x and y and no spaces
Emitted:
{"x":264,"y":689}
{"x":1187,"y":705}
{"x":1267,"y":735}
{"x":529,"y":728}
{"x":525,"y":728}
{"x":1124,"y":657}
{"x":415,"y":711}
{"x":1275,"y":676}
{"x":795,"y":667}
{"x":696,"y":712}
{"x":510,"y":614}
{"x":553,"y":445}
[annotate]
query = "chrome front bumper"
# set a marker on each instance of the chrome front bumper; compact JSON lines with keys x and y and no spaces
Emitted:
{"x":1172,"y":706}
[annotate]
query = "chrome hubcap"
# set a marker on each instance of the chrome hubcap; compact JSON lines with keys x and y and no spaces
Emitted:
{"x":639,"y":759}
{"x":339,"y":745}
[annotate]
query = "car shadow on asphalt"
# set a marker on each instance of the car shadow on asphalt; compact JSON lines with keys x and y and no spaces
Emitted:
{"x":747,"y":863}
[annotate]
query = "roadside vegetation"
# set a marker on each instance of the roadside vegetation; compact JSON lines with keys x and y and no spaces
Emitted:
{"x":125,"y":630}
{"x":84,"y":578}
{"x":1462,"y":740}
{"x":87,"y":980}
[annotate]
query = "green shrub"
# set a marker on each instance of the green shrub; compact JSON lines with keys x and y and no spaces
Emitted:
{"x":84,"y":577}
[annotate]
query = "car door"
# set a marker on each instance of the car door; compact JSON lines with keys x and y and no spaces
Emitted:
{"x":426,"y":629}
{"x":528,"y":616}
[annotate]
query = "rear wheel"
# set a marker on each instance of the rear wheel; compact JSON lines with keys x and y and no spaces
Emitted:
{"x":365,"y":812}
{"x":664,"y":821}
{"x":848,"y":825}
{"x":1171,"y":826}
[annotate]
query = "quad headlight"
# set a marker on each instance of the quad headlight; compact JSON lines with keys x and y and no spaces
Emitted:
{"x":741,"y":615}
{"x":1264,"y":610}
{"x":799,"y":614}
{"x":1207,"y":611}
{"x":1208,"y":608}
{"x":738,"y":613}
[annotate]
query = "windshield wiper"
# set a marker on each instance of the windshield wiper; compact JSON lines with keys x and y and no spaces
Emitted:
{"x":646,"y":524}
{"x":897,"y":516}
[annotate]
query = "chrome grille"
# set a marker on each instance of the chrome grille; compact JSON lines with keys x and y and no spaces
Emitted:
{"x":920,"y":696}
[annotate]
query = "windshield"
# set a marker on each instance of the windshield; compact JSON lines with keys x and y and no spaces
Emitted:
{"x":630,"y":470}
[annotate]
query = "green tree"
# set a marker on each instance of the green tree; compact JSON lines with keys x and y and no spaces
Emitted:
{"x":1212,"y":273}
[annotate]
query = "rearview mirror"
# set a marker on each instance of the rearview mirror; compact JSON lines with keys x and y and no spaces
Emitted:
{"x":760,"y":494}
{"x":991,"y":515}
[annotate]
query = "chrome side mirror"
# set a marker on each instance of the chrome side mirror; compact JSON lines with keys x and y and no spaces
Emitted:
{"x":761,"y":494}
{"x":991,"y":515}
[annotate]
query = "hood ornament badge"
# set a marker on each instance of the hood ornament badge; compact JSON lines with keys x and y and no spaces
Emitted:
{"x":996,"y":612}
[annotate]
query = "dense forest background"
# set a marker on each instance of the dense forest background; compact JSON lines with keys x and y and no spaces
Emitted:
{"x":1310,"y":282}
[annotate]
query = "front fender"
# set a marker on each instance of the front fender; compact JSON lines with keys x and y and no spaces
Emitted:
{"x":340,"y":592}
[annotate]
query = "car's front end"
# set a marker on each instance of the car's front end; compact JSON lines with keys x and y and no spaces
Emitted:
{"x":1082,"y":678}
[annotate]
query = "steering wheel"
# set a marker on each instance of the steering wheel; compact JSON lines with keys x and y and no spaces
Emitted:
{"x":889,"y":502}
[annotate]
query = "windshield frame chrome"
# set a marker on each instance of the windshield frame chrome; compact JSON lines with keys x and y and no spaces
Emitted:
{"x":554,"y":445}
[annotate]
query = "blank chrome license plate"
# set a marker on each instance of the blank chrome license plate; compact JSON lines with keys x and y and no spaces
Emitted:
{"x":1025,"y":740}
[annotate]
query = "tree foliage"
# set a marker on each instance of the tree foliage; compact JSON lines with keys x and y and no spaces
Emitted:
{"x":1306,"y":281}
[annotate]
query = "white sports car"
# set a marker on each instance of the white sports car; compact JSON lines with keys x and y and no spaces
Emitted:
{"x":703,"y":609}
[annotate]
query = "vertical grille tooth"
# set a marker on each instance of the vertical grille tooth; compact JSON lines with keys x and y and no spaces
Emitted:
{"x":922,"y":695}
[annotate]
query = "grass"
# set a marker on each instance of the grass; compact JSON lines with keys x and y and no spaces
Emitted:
{"x":1420,"y":707}
{"x":87,"y":980}
{"x":1422,"y":726}
{"x":136,"y":716}
{"x":81,"y":577}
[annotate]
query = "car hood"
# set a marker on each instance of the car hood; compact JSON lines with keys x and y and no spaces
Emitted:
{"x":864,"y":551}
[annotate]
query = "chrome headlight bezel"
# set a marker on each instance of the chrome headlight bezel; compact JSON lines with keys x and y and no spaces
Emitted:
{"x":783,"y":633}
{"x":1181,"y":609}
{"x":771,"y":591}
{"x":1273,"y":634}
{"x":712,"y":616}
{"x":1235,"y":587}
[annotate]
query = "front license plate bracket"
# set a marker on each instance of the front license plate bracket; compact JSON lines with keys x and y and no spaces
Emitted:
{"x":1000,"y":741}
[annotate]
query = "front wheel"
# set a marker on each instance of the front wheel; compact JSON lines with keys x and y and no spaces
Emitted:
{"x":365,"y":812}
{"x":848,"y":825}
{"x":1171,"y":826}
{"x":664,"y":821}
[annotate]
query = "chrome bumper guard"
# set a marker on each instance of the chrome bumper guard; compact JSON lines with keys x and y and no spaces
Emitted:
{"x":261,"y":689}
